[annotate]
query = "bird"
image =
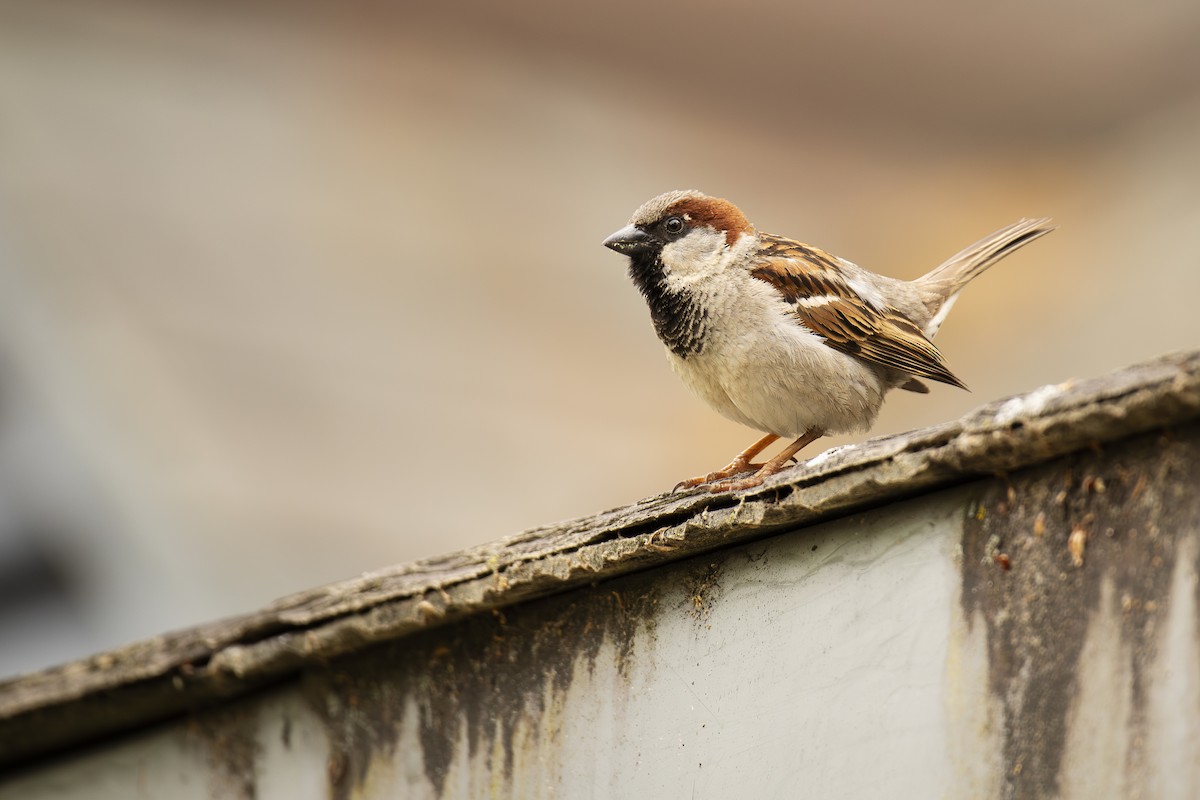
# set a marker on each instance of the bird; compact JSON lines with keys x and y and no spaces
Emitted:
{"x":784,"y":337}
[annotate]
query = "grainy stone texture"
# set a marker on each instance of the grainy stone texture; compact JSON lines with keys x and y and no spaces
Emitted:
{"x":468,"y":670}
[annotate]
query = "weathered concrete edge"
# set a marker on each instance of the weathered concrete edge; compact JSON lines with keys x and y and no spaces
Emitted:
{"x":167,"y":675}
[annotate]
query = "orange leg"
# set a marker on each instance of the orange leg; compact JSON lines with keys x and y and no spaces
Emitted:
{"x":736,"y":467}
{"x":771,"y":467}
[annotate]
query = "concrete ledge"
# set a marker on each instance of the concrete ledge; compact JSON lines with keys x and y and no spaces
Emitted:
{"x":46,"y":712}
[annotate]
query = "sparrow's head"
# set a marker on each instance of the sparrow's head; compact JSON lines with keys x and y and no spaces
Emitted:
{"x":681,"y":227}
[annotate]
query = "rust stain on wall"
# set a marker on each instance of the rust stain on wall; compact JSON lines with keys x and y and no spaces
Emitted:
{"x":1068,"y":528}
{"x":702,"y":587}
{"x":492,"y":671}
{"x":229,"y":737}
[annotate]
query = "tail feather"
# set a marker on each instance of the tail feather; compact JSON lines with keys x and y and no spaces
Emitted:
{"x":942,"y":285}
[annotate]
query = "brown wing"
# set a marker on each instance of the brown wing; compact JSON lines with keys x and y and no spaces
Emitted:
{"x":812,"y":282}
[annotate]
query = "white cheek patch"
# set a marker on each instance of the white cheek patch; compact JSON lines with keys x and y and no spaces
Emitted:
{"x":696,"y":255}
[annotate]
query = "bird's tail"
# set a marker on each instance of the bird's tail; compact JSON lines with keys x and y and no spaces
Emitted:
{"x":942,"y":285}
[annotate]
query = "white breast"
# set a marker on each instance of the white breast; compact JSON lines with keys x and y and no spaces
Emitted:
{"x":762,"y":368}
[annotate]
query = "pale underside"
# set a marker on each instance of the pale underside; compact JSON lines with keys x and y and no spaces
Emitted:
{"x":778,"y":377}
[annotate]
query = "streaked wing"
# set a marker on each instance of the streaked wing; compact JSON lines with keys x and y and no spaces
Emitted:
{"x":812,"y":281}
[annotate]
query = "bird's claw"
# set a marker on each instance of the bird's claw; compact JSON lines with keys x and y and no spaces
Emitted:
{"x":737,"y":485}
{"x":736,"y":468}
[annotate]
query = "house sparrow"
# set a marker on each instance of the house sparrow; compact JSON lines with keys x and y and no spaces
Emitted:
{"x":781,"y":336}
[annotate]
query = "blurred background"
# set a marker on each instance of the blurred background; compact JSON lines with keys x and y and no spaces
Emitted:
{"x":292,"y":291}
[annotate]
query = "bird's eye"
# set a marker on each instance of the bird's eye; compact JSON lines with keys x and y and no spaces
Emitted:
{"x":673,"y":225}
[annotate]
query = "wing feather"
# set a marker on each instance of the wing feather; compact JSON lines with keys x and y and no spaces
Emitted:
{"x":814,"y":284}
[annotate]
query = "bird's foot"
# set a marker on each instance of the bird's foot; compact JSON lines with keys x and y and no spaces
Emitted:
{"x":738,"y":466}
{"x":750,"y":481}
{"x":770,"y":468}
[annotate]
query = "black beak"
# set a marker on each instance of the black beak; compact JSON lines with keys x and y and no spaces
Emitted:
{"x":629,"y":241}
